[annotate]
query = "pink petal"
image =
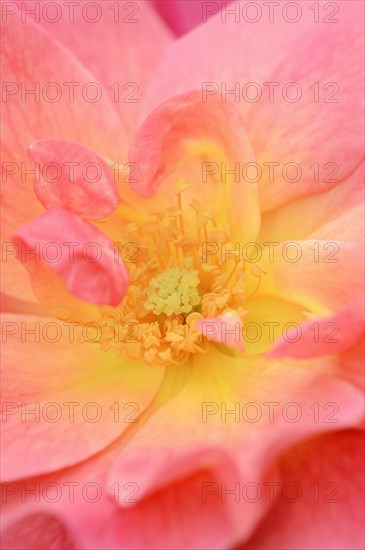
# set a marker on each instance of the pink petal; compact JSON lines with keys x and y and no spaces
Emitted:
{"x":183,"y":16}
{"x":248,"y":54}
{"x":336,"y":205}
{"x":133,"y":39}
{"x":37,"y":531}
{"x":161,"y":151}
{"x":73,"y":177}
{"x":26,"y":120}
{"x":327,"y":474}
{"x":174,"y":516}
{"x":322,"y":335}
{"x":181,"y":440}
{"x":352,"y":364}
{"x":225,"y":329}
{"x":177,"y":519}
{"x":348,"y":226}
{"x":91,"y":268}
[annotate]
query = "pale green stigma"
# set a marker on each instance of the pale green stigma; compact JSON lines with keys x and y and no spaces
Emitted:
{"x":174,"y":291}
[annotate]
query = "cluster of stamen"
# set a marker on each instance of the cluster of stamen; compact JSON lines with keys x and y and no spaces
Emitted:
{"x":174,"y":291}
{"x":173,"y":285}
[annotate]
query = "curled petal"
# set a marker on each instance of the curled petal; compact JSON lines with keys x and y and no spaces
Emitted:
{"x":322,"y":335}
{"x":224,"y":329}
{"x":186,"y":137}
{"x":333,"y":464}
{"x":218,"y":392}
{"x":84,"y":258}
{"x":73,"y":177}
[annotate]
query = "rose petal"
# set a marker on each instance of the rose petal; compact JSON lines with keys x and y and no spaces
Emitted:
{"x":190,"y":139}
{"x":183,"y":16}
{"x":28,"y":117}
{"x":336,"y":205}
{"x":73,"y":177}
{"x":225,"y":329}
{"x":352,"y":364}
{"x":37,"y":531}
{"x":290,"y":57}
{"x":80,"y":254}
{"x":322,"y":336}
{"x":63,"y":397}
{"x":182,"y":440}
{"x":162,"y":510}
{"x":133,"y":39}
{"x":324,"y":276}
{"x":320,"y":502}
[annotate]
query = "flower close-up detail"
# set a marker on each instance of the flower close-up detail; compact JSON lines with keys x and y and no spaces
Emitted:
{"x":182,"y":275}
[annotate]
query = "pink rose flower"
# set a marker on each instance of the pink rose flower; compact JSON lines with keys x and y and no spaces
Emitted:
{"x":182,"y":276}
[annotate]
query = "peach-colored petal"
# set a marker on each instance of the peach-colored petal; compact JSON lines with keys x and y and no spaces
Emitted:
{"x":52,"y":113}
{"x":334,"y":206}
{"x":348,"y":226}
{"x":78,"y":252}
{"x":324,"y":276}
{"x":14,"y":282}
{"x":266,"y":319}
{"x":82,"y":398}
{"x":320,"y":497}
{"x":73,"y":177}
{"x":178,"y":513}
{"x":352,"y":364}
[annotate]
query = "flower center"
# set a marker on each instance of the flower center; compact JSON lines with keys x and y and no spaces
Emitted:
{"x":187,"y":270}
{"x":174,"y":291}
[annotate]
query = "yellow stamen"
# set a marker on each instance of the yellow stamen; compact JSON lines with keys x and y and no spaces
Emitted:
{"x":173,"y":292}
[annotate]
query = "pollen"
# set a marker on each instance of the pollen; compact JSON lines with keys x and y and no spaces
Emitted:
{"x":174,"y":291}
